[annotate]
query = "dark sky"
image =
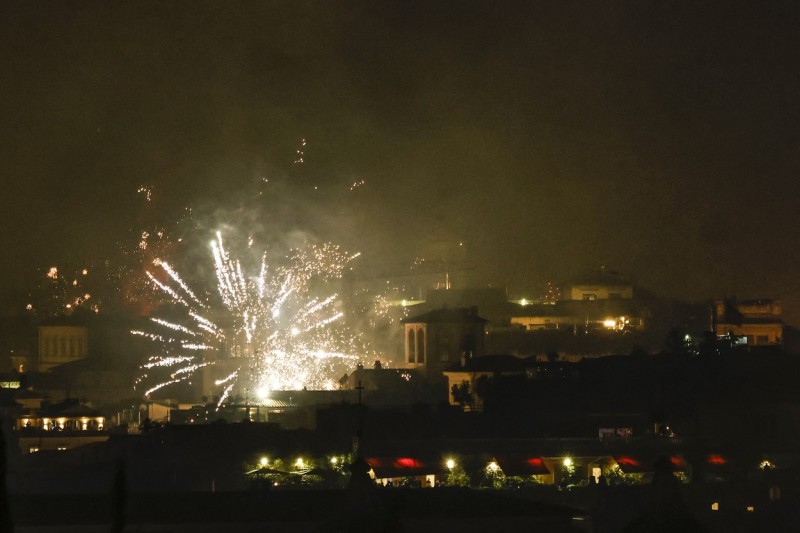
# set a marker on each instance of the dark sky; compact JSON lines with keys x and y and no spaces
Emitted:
{"x":659,"y":139}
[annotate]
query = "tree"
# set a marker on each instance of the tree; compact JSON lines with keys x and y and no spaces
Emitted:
{"x":462,"y":395}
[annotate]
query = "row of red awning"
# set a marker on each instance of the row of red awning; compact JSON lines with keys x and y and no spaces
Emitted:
{"x":386,"y":467}
{"x":520,"y":465}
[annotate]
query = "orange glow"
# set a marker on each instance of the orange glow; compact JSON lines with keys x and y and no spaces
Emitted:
{"x":627,"y":461}
{"x":535,"y":462}
{"x":407,"y":462}
{"x":715,"y":459}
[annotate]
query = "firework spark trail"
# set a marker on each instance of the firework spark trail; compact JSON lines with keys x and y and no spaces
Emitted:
{"x":166,"y":361}
{"x":280,"y":335}
{"x":175,"y":277}
{"x":166,"y":288}
{"x":151,"y":336}
{"x":173,"y":326}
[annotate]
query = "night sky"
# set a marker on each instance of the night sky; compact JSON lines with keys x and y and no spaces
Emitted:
{"x":521,"y":141}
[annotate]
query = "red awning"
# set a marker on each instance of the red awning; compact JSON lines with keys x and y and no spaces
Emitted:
{"x":639,"y":464}
{"x":522,"y":465}
{"x":386,"y":467}
{"x":633,"y":465}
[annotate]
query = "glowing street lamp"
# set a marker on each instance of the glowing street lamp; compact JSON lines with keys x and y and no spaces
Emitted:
{"x":450,"y":464}
{"x":567,"y":462}
{"x":264,"y":461}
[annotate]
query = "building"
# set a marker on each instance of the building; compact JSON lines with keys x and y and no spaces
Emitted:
{"x":759,"y":321}
{"x":59,"y":344}
{"x":582,"y":316}
{"x":602,"y":285}
{"x":437,"y":339}
{"x":59,"y":427}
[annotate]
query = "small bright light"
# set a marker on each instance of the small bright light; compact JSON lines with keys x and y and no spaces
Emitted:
{"x":295,"y":331}
{"x":84,"y":272}
{"x":451,"y":464}
{"x":262,"y":392}
{"x":404,"y":303}
{"x":567,"y":462}
{"x":299,"y":463}
{"x":493,"y":466}
{"x":750,"y":508}
{"x":276,"y":313}
{"x":524,"y":301}
{"x":264,"y":461}
{"x":334,"y":460}
{"x":610,"y":323}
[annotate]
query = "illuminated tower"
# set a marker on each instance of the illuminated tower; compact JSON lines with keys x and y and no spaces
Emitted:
{"x":438,"y":339}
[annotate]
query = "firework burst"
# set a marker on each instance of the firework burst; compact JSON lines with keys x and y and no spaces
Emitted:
{"x":271,"y":331}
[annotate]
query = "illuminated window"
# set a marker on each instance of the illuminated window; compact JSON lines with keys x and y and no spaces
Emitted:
{"x":33,"y":449}
{"x":715,"y":506}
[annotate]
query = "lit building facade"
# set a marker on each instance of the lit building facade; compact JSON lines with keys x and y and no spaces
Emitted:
{"x":61,"y":344}
{"x":441,"y":337}
{"x":757,"y":320}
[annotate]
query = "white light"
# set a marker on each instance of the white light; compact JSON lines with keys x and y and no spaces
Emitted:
{"x":610,"y":323}
{"x":295,"y":331}
{"x":451,"y":464}
{"x":262,"y":392}
{"x":567,"y":462}
{"x":299,"y":463}
{"x":492,"y":466}
{"x":264,"y":461}
{"x":334,"y":460}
